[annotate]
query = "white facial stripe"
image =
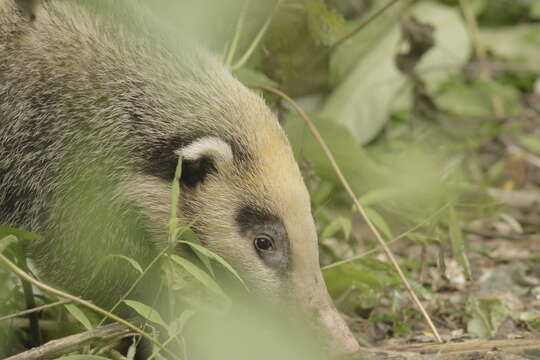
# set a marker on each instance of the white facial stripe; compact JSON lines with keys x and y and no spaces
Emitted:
{"x":208,"y":145}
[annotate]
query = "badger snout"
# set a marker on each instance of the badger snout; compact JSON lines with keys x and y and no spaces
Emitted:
{"x":336,"y":337}
{"x":340,"y":340}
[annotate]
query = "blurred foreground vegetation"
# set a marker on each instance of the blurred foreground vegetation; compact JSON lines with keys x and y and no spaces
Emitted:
{"x":432,"y":110}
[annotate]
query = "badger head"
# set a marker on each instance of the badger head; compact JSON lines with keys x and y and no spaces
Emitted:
{"x":244,"y":189}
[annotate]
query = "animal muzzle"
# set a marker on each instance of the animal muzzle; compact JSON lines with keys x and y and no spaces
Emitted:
{"x":337,"y":336}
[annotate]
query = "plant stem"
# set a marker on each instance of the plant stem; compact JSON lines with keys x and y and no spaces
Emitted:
{"x":234,"y":43}
{"x":257,"y":39}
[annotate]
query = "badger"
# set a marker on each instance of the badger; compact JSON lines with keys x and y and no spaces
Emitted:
{"x":93,"y":121}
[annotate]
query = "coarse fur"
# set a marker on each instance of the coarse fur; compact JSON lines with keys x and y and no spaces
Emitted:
{"x":92,"y":121}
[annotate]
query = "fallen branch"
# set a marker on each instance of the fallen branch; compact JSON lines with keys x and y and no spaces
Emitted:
{"x":454,"y":350}
{"x":64,"y":345}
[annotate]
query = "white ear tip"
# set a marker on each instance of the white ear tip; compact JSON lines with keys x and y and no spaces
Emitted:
{"x":208,"y":145}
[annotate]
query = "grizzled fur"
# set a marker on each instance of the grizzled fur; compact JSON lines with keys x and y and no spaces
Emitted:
{"x":92,"y":119}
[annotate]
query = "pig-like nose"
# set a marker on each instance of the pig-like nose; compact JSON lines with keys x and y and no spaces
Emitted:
{"x":341,"y":341}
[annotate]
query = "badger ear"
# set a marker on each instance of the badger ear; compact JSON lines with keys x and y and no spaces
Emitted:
{"x":203,"y":157}
{"x":27,"y":7}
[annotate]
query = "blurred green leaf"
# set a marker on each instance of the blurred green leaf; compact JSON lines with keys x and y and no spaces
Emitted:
{"x":250,"y":77}
{"x":20,"y":234}
{"x":475,"y":100}
{"x":108,"y":258}
{"x":325,"y":25}
{"x":211,"y":255}
{"x":357,"y":167}
{"x":190,"y":238}
{"x":379,"y":222}
{"x":487,"y":314}
{"x":519,"y":44}
{"x":177,"y":325}
{"x":147,"y":312}
{"x":338,"y":224}
{"x":360,"y":273}
{"x":379,"y":195}
{"x":198,"y":274}
{"x":79,"y":315}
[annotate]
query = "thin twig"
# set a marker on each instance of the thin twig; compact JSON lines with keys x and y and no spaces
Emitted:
{"x":363,"y":24}
{"x":354,"y":198}
{"x":35,"y":309}
{"x":369,"y":252}
{"x":257,"y":39}
{"x":84,"y":303}
{"x":237,"y":33}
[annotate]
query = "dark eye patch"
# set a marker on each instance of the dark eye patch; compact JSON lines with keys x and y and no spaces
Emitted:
{"x":249,"y":217}
{"x":254,"y":223}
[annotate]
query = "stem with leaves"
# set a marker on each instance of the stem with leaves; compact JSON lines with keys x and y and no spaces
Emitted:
{"x":84,"y":303}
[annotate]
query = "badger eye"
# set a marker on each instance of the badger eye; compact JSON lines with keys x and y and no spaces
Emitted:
{"x":263,"y":243}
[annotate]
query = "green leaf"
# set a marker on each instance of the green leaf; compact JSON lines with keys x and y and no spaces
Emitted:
{"x":190,"y":237}
{"x":338,"y":224}
{"x":79,"y":315}
{"x":198,"y":274}
{"x":6,"y":241}
{"x":519,"y":44}
{"x":147,"y":312}
{"x":379,"y":195}
{"x":379,"y":222}
{"x":211,"y":255}
{"x":487,"y":314}
{"x":107,"y":258}
{"x":20,"y":234}
{"x":325,"y":25}
{"x":352,"y":159}
{"x":475,"y":100}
